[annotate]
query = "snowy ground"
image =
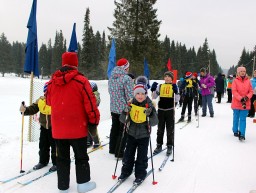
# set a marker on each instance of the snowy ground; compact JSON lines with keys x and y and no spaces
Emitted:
{"x":208,"y":159}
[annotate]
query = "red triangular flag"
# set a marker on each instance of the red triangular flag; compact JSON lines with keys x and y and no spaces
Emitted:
{"x":169,"y":65}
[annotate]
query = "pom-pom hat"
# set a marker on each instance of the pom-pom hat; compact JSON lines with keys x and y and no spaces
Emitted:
{"x":188,"y":74}
{"x":70,"y":59}
{"x":139,"y":88}
{"x":123,"y":63}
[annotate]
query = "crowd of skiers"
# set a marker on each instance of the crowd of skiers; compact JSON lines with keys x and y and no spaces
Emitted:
{"x":69,"y":115}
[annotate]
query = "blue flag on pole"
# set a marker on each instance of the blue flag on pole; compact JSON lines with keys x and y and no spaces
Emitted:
{"x":31,"y":51}
{"x":73,"y":41}
{"x":146,"y":71}
{"x":112,"y":58}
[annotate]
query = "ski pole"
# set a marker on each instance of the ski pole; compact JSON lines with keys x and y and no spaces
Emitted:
{"x":198,"y":113}
{"x":151,"y":154}
{"x":21,"y":140}
{"x":173,"y":127}
{"x":121,"y":141}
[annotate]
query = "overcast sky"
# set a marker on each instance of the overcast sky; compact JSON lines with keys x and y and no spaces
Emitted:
{"x":229,"y":25}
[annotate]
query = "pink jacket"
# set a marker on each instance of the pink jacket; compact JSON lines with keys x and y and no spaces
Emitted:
{"x":241,"y":88}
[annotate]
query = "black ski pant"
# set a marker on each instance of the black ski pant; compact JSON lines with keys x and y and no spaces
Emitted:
{"x":116,"y":136}
{"x":79,"y":147}
{"x":141,"y":163}
{"x":45,"y":143}
{"x":187,"y":102}
{"x":196,"y":104}
{"x":165,"y":120}
{"x":229,"y":95}
{"x":219,"y":97}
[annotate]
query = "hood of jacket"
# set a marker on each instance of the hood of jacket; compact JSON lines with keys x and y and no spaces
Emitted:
{"x":64,"y":76}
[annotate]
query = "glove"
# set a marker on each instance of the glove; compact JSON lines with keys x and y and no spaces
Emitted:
{"x":154,"y":86}
{"x":174,"y":88}
{"x":92,"y":127}
{"x":127,"y":109}
{"x":148,"y":111}
{"x":244,"y":99}
{"x":22,"y":107}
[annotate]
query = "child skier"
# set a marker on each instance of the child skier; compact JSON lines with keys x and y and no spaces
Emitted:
{"x":135,"y":117}
{"x":188,"y":87}
{"x":93,"y":136}
{"x":45,"y":141}
{"x":165,"y":111}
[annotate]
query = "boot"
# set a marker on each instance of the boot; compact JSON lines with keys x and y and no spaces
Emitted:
{"x":123,"y":176}
{"x":158,"y":149}
{"x":169,"y":150}
{"x":53,"y":168}
{"x":138,"y":181}
{"x":181,"y":118}
{"x":39,"y":166}
{"x":189,"y":118}
{"x":86,"y":187}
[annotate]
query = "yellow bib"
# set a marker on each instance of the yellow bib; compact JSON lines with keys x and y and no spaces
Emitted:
{"x":43,"y":107}
{"x":166,"y":91}
{"x":137,"y":114}
{"x":189,"y":83}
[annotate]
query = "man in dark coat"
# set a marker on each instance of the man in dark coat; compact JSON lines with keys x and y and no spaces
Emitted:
{"x":219,"y":81}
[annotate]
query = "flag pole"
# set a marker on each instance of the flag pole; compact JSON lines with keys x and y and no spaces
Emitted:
{"x":30,"y":103}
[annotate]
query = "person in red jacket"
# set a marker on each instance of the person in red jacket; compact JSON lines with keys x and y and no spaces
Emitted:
{"x":242,"y":93}
{"x":73,"y":108}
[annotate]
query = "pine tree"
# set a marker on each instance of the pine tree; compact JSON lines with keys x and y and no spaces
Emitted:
{"x":6,"y":61}
{"x":58,"y":49}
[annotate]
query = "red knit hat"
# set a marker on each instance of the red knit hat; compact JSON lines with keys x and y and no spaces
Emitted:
{"x":123,"y":63}
{"x":195,"y":74}
{"x":70,"y":58}
{"x":188,"y":74}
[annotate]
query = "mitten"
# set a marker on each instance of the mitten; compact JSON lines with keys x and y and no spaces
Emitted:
{"x":22,"y":107}
{"x":154,"y":86}
{"x":175,"y":88}
{"x":127,"y":109}
{"x":92,"y":127}
{"x":148,"y":111}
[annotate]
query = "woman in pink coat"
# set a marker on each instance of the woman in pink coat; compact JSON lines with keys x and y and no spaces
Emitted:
{"x":242,"y":92}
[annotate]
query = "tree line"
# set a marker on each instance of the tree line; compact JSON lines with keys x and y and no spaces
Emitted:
{"x":136,"y":32}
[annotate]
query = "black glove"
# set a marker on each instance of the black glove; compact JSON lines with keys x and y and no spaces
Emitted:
{"x":92,"y":126}
{"x":244,"y":99}
{"x":154,"y":86}
{"x":148,"y":111}
{"x":174,"y":88}
{"x":127,"y":109}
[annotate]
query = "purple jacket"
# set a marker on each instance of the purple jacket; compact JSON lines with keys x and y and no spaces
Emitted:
{"x":207,"y":80}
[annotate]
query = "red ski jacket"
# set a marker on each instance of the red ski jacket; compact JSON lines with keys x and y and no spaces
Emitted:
{"x":73,"y":104}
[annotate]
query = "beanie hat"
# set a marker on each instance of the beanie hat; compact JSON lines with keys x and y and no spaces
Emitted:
{"x":188,"y":74}
{"x":195,"y":74}
{"x":139,"y":88}
{"x":239,"y":69}
{"x":94,"y":86}
{"x":169,"y":73}
{"x":123,"y":63}
{"x":70,"y":59}
{"x":45,"y":87}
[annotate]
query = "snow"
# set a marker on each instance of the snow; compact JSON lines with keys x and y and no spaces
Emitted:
{"x":208,"y":159}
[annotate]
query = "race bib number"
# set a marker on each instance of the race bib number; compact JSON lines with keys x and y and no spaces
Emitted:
{"x":137,"y":114}
{"x":166,"y":91}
